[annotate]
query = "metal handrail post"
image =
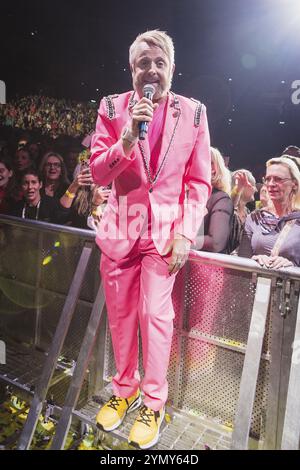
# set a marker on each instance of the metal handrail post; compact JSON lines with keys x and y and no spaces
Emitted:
{"x":55,"y":349}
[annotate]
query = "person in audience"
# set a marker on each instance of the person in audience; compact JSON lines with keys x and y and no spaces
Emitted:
{"x":35,"y":205}
{"x":22,"y":160}
{"x":292,"y":151}
{"x":271,"y":237}
{"x":244,"y":188}
{"x":264,"y":200}
{"x":85,"y":199}
{"x":215,"y":231}
{"x":71,"y":161}
{"x":6,"y":184}
{"x":263,"y":196}
{"x":35,"y":152}
{"x":99,"y":200}
{"x":54,"y":174}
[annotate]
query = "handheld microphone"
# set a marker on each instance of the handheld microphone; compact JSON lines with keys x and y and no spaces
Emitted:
{"x":148,"y":91}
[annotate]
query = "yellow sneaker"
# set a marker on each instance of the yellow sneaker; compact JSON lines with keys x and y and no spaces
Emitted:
{"x":145,"y":430}
{"x":114,"y":411}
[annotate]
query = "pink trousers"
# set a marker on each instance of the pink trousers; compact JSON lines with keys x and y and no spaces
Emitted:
{"x":138,"y":294}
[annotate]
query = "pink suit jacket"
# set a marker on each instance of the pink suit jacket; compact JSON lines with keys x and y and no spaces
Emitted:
{"x":178,"y":198}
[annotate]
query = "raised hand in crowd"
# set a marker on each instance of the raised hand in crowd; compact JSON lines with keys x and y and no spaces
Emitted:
{"x":241,"y":182}
{"x":99,"y":200}
{"x":82,"y":179}
{"x":100,"y":195}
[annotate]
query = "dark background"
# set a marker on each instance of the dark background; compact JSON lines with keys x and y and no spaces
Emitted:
{"x":239,"y":57}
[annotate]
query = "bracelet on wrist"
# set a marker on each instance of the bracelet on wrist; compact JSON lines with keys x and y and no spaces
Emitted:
{"x":128,"y":136}
{"x":234,"y":191}
{"x":69,"y":194}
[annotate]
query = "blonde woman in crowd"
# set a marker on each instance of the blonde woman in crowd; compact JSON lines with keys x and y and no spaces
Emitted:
{"x":271,"y":237}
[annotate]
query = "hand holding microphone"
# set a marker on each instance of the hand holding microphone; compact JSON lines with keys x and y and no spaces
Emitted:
{"x":142,"y":112}
{"x":148,"y":91}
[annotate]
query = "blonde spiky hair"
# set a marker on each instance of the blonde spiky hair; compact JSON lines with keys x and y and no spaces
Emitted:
{"x":155,"y":38}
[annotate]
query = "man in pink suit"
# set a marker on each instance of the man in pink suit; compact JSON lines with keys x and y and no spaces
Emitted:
{"x":159,"y":193}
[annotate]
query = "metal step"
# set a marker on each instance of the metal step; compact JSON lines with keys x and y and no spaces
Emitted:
{"x":24,"y":366}
{"x":180,"y":431}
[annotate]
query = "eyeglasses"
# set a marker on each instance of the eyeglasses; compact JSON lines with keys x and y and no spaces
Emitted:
{"x":276,"y":179}
{"x":54,"y":164}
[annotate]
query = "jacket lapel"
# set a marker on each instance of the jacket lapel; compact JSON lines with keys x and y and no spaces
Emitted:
{"x":171,"y":121}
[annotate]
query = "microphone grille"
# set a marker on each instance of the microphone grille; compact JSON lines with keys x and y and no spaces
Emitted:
{"x":149,"y":89}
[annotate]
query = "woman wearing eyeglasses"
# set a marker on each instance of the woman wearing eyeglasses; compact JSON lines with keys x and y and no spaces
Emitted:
{"x":54,"y":174}
{"x":272,"y":237}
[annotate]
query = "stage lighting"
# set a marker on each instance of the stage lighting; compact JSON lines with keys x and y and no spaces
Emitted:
{"x":289,"y":9}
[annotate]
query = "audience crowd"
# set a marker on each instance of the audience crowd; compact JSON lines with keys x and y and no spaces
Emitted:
{"x":52,"y":116}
